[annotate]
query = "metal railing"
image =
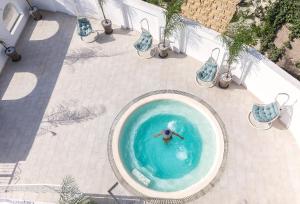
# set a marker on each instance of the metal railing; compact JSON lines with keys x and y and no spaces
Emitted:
{"x":37,"y":188}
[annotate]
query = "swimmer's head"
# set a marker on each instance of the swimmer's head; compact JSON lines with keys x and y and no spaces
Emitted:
{"x":167,"y":132}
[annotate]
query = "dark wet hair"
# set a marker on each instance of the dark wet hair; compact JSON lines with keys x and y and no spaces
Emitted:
{"x":167,"y":132}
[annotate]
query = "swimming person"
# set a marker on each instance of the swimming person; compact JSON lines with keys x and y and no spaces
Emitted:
{"x":168,"y":135}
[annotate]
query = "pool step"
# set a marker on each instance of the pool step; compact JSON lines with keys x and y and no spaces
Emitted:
{"x":141,"y":177}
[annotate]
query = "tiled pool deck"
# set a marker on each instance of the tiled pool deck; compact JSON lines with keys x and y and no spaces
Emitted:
{"x":58,"y":103}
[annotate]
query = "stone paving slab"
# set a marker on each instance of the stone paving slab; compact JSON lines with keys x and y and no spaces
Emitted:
{"x":58,"y":103}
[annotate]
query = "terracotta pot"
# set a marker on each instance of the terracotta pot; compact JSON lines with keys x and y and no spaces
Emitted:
{"x":162,"y":50}
{"x":107,"y":25}
{"x":35,"y":13}
{"x":11,"y":52}
{"x":225,"y":80}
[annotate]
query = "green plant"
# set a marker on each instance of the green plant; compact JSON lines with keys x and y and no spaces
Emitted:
{"x":173,"y":20}
{"x":237,"y":16}
{"x":297,"y":64}
{"x":295,"y":29}
{"x":237,"y":41}
{"x":156,"y":2}
{"x":253,"y":11}
{"x":70,"y":193}
{"x":276,"y":53}
{"x":287,"y":45}
{"x":280,"y":13}
{"x":101,"y":2}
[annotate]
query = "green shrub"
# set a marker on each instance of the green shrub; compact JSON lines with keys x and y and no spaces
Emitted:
{"x":295,"y":30}
{"x":156,"y":2}
{"x":280,"y":13}
{"x":275,"y":53}
{"x":237,"y":40}
{"x":257,"y":30}
{"x":298,"y":64}
{"x":288,"y":45}
{"x":71,"y":194}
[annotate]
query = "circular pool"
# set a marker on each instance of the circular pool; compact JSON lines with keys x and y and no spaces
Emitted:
{"x":154,"y":164}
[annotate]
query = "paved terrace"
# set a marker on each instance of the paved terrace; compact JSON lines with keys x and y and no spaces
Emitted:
{"x":58,"y":103}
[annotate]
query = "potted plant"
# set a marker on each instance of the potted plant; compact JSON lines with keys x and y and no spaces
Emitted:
{"x":71,"y":194}
{"x":11,"y":52}
{"x":236,"y":41}
{"x":34,"y":12}
{"x":106,"y":23}
{"x":173,"y":22}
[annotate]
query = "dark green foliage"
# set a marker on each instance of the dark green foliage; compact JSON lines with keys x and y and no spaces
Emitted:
{"x":276,"y":53}
{"x":298,"y":64}
{"x":173,"y":18}
{"x":172,"y":13}
{"x":156,"y":2}
{"x":238,"y":40}
{"x":257,"y":30}
{"x":288,"y":45}
{"x":237,"y":16}
{"x":244,"y":3}
{"x":295,"y":30}
{"x":280,"y":13}
{"x":70,"y":193}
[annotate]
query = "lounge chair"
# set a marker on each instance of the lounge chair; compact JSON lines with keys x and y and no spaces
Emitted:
{"x":144,"y":43}
{"x":207,"y":75}
{"x":263,"y":115}
{"x":85,"y":30}
{"x":84,"y":27}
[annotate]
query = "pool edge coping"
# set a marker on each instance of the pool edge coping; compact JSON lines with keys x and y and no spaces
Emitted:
{"x":194,"y":196}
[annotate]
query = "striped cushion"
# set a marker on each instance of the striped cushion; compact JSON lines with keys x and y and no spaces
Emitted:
{"x":265,"y":113}
{"x":84,"y":27}
{"x":144,"y":42}
{"x":208,"y":71}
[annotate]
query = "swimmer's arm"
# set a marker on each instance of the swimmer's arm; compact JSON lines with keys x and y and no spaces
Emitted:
{"x":157,"y":135}
{"x":174,"y":133}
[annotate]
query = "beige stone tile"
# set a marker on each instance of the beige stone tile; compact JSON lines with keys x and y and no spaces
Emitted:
{"x":262,"y":166}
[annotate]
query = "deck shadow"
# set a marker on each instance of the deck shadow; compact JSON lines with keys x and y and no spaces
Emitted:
{"x":21,"y":117}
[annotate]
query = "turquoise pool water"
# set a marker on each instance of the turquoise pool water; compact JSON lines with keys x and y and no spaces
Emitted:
{"x":167,"y":166}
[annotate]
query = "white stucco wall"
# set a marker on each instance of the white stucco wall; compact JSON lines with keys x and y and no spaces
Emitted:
{"x":48,"y":5}
{"x":11,"y":38}
{"x":87,"y":8}
{"x":265,"y":80}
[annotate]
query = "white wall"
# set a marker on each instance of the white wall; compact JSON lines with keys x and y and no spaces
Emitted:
{"x":87,"y":8}
{"x":135,"y":10}
{"x":48,"y":5}
{"x":11,"y":38}
{"x":190,"y":40}
{"x":265,"y":80}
